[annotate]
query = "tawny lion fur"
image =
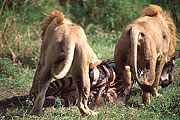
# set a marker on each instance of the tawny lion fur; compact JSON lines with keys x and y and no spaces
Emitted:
{"x":151,"y":40}
{"x":64,"y":51}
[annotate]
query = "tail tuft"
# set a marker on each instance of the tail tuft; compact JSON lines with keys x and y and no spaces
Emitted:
{"x":147,"y":88}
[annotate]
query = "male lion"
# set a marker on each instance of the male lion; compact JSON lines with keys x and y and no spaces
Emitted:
{"x":64,"y":51}
{"x":151,"y":40}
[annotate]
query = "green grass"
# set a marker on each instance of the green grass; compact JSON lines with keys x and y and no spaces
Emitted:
{"x":14,"y":78}
{"x":18,"y":78}
{"x":20,"y":40}
{"x":103,"y":43}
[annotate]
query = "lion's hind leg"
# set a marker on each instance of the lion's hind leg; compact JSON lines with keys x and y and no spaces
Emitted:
{"x":149,"y":78}
{"x":53,"y":53}
{"x":44,"y":82}
{"x":83,"y":89}
{"x":159,"y":68}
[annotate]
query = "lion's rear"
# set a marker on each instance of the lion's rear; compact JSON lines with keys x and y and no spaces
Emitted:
{"x":158,"y":33}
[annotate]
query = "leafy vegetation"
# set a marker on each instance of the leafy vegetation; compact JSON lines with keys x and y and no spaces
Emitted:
{"x":103,"y":21}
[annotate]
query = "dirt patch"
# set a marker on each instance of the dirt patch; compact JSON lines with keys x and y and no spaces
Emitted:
{"x":6,"y":92}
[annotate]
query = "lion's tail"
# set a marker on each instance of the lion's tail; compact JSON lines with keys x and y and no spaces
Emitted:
{"x":152,"y":10}
{"x":134,"y":36}
{"x":134,"y":33}
{"x":69,"y":51}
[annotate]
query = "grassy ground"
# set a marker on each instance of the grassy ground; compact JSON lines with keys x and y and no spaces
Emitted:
{"x":15,"y":79}
{"x":20,"y":40}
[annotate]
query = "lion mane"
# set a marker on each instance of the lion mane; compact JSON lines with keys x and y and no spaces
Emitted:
{"x":57,"y":17}
{"x":154,"y":10}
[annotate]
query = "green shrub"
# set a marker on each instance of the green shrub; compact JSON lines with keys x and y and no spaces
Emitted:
{"x":21,"y":21}
{"x":109,"y":14}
